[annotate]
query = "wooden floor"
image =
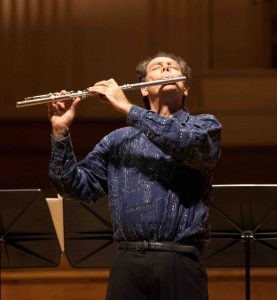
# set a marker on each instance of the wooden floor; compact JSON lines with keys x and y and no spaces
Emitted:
{"x":224,"y":284}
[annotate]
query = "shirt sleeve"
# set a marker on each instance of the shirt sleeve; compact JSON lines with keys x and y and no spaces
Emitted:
{"x":85,"y":180}
{"x":192,"y":140}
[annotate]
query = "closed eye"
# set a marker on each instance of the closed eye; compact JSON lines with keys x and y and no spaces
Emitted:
{"x":175,"y":67}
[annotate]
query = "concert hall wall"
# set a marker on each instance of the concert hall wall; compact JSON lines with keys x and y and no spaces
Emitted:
{"x":50,"y":45}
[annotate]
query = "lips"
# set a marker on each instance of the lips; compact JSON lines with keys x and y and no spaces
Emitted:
{"x":169,"y":77}
{"x":170,"y":83}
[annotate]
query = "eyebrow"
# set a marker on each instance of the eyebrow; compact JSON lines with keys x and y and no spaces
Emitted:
{"x":169,"y":63}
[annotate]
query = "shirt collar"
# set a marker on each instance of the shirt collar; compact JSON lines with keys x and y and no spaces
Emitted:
{"x":181,"y":114}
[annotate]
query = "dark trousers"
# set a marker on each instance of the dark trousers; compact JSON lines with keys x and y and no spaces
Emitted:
{"x":156,"y":275}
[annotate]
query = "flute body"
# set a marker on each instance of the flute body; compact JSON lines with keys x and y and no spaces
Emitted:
{"x":52,"y":97}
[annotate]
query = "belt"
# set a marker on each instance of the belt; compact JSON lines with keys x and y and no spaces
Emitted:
{"x":159,"y":246}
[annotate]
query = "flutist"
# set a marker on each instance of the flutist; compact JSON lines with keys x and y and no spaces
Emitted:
{"x":157,"y":174}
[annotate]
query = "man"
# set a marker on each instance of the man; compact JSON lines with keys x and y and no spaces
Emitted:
{"x":157,"y":173}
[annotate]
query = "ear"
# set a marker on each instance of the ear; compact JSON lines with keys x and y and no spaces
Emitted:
{"x":186,"y":92}
{"x":144,"y":91}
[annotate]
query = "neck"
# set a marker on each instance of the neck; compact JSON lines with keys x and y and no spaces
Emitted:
{"x":166,"y":106}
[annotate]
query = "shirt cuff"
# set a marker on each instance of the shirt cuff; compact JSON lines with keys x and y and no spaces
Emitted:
{"x":61,"y":147}
{"x":135,"y":115}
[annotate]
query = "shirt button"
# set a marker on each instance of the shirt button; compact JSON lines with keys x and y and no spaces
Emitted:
{"x":58,"y":172}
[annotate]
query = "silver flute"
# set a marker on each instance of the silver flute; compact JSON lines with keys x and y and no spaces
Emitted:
{"x":52,"y":97}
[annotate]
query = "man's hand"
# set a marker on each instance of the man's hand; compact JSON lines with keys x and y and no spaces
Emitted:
{"x":61,"y":115}
{"x":110,"y":92}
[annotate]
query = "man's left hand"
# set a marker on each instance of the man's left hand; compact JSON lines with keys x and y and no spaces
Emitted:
{"x":110,"y":92}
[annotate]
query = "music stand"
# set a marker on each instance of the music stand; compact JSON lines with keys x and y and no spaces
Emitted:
{"x":243,"y":228}
{"x":88,"y":234}
{"x":28,"y":238}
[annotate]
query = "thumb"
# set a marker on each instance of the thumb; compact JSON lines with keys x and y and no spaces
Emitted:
{"x":75,"y":103}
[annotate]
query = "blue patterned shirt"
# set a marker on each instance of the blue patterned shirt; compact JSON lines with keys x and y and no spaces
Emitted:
{"x":157,"y":174}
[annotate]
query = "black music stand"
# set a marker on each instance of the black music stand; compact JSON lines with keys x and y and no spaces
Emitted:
{"x":28,"y":238}
{"x":88,"y":234}
{"x":243,"y":228}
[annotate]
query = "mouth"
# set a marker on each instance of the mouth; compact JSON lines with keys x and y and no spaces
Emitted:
{"x":163,"y":78}
{"x":169,"y":83}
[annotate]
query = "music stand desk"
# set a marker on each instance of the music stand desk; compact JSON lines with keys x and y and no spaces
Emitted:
{"x":243,"y":228}
{"x":28,"y":238}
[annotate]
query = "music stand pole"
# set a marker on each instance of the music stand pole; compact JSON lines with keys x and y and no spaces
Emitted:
{"x":247,"y":238}
{"x":1,"y":243}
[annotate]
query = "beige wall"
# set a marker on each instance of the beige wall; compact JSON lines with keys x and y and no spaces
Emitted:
{"x":50,"y":45}
{"x":240,"y":34}
{"x":245,"y":102}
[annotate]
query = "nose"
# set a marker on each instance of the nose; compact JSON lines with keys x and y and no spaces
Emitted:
{"x":165,"y":68}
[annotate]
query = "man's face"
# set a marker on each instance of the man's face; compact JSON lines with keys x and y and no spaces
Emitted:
{"x":162,"y":68}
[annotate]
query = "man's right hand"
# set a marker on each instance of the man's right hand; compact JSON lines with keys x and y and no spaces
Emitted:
{"x":61,"y":115}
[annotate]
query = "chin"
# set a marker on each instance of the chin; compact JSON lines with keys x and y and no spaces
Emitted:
{"x":169,"y":87}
